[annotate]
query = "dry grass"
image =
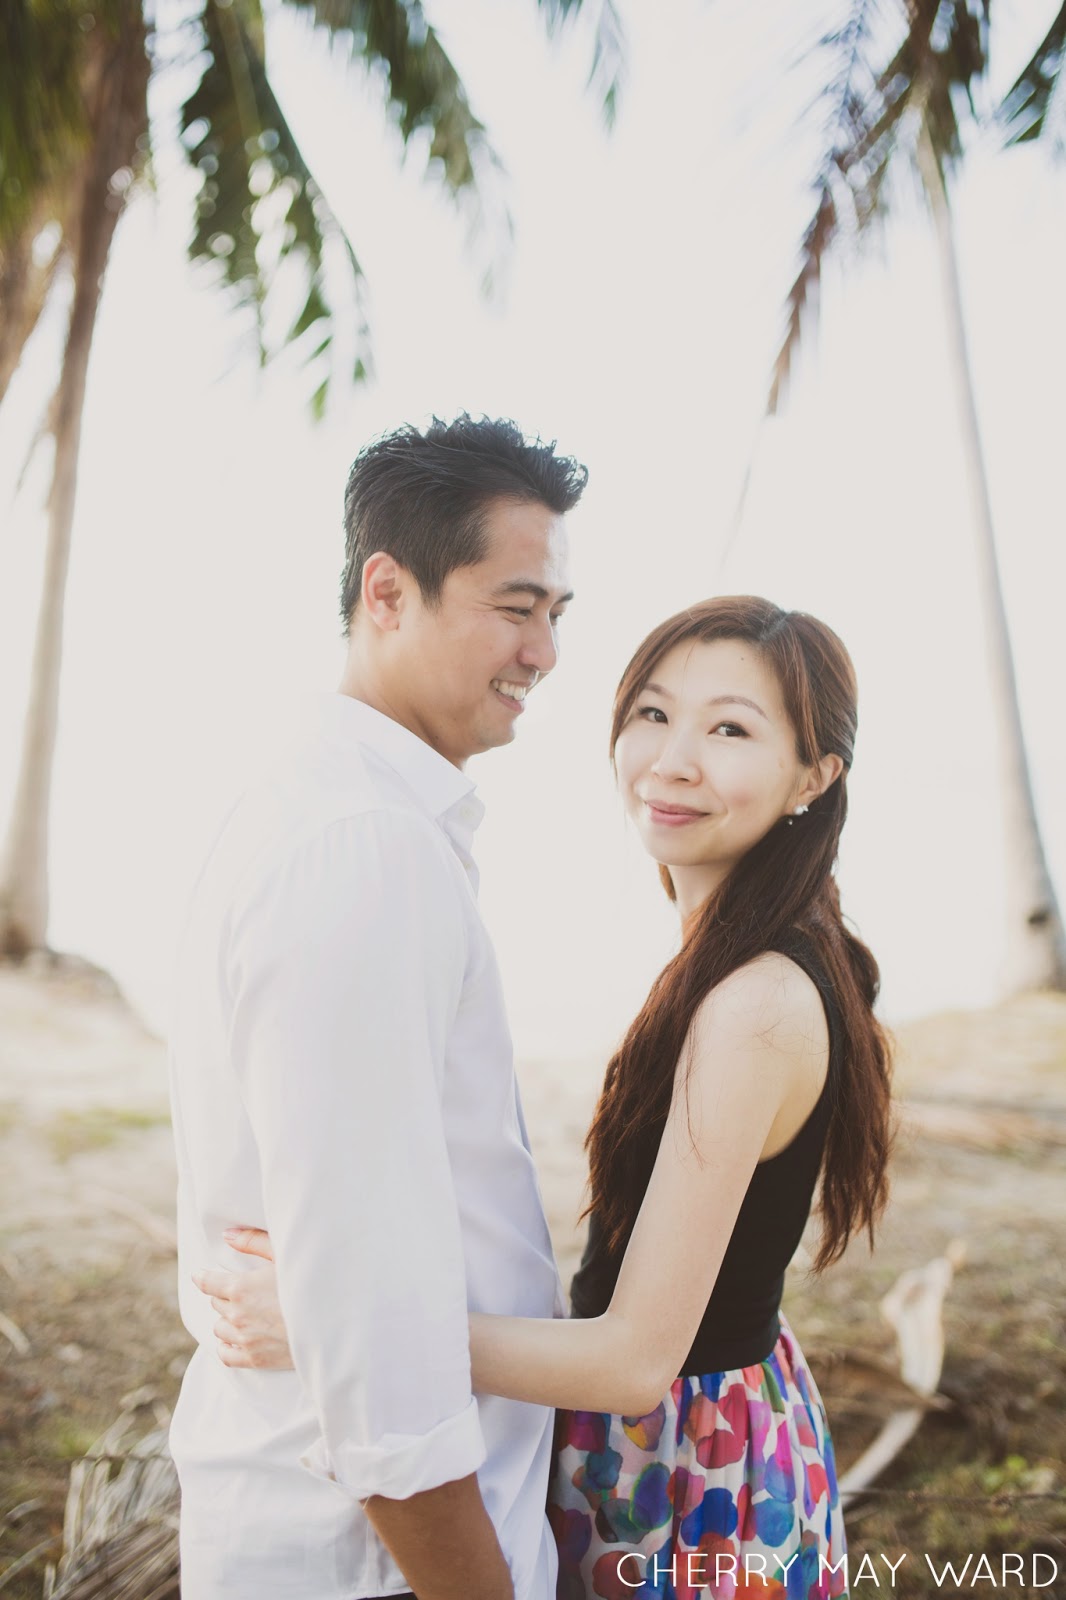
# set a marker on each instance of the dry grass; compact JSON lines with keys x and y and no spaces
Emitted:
{"x":72,"y":1133}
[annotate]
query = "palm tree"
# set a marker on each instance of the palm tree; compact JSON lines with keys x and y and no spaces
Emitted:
{"x":900,"y":102}
{"x":75,"y":142}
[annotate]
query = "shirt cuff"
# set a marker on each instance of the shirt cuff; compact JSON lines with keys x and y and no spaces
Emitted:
{"x":399,"y":1465}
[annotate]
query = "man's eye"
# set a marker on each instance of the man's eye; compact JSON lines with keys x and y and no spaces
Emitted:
{"x":556,"y":618}
{"x":520,"y":611}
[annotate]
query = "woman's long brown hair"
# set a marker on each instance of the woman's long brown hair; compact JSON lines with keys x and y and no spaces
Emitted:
{"x":784,"y":883}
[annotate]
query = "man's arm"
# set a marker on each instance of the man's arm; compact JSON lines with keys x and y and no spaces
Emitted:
{"x":444,"y":1543}
{"x":344,"y":971}
{"x":442,"y":1539}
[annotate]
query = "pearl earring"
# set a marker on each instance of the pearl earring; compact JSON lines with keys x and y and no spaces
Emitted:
{"x":800,"y":811}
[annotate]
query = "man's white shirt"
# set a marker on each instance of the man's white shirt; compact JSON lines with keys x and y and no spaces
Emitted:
{"x":342,"y":1075}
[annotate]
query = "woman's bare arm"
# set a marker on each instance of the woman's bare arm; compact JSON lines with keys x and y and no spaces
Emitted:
{"x":758,"y":1048}
{"x":759,"y":1051}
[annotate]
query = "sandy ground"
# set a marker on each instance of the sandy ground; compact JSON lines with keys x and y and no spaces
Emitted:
{"x":88,"y":1306}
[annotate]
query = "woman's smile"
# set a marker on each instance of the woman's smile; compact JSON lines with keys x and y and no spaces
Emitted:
{"x":666,"y":814}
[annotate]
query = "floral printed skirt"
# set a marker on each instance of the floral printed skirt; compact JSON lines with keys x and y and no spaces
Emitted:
{"x":727,"y":1489}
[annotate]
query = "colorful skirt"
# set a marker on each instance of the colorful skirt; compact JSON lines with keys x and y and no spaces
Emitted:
{"x":727,"y":1489}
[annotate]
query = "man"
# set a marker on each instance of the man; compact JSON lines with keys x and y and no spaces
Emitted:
{"x":342,"y":1073}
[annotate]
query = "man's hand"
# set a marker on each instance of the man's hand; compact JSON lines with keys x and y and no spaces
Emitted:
{"x":250,"y":1330}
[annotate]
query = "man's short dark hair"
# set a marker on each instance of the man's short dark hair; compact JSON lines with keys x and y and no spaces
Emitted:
{"x":422,"y":496}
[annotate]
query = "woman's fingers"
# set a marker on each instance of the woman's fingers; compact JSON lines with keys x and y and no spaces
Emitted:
{"x":232,"y":1352}
{"x":216,"y":1281}
{"x":242,"y":1347}
{"x":250,"y":1331}
{"x":232,"y":1355}
{"x":250,"y":1242}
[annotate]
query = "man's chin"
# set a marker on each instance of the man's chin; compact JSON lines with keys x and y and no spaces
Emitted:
{"x":501,"y":733}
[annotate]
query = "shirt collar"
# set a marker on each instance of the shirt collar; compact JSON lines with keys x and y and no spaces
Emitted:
{"x":441,"y":790}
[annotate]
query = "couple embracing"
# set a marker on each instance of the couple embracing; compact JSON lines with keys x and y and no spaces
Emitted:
{"x":388,"y":1396}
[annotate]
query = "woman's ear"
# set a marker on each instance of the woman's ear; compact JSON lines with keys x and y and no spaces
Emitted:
{"x":820,"y":778}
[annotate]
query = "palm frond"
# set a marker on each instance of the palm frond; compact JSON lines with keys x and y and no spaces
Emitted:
{"x":943,"y":58}
{"x":900,"y":75}
{"x":260,"y":216}
{"x":802,"y":302}
{"x":607,"y":73}
{"x":42,"y":112}
{"x":844,"y":103}
{"x":1035,"y":105}
{"x":120,"y":1528}
{"x":425,"y":91}
{"x":59,"y":62}
{"x":27,"y":272}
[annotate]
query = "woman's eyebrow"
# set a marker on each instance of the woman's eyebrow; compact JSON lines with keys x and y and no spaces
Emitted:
{"x":715,"y":700}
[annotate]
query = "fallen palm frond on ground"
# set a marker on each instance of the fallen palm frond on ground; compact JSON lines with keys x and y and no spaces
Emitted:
{"x":14,"y":1335}
{"x":914,"y":1306}
{"x":120,"y":1531}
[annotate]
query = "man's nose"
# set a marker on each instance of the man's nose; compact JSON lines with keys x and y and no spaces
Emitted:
{"x":540,"y":645}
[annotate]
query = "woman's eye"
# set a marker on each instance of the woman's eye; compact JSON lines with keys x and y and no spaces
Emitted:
{"x":651,"y":713}
{"x":731,"y":730}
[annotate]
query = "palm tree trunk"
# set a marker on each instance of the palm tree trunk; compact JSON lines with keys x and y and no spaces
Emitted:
{"x":116,"y":91}
{"x":1036,"y":949}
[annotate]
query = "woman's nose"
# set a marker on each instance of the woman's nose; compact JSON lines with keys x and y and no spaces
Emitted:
{"x":677,"y":760}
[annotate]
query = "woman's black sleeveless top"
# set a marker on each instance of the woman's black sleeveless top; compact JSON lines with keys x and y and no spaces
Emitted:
{"x":740,"y":1326}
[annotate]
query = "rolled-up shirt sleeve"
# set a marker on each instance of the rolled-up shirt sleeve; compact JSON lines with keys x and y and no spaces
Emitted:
{"x":344,"y":973}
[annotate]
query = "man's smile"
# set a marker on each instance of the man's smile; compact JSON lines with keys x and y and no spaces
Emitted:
{"x":512,"y":694}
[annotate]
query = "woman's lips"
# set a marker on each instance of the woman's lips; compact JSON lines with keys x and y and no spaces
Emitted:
{"x":669,"y":816}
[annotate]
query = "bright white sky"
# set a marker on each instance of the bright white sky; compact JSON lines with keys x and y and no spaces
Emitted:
{"x":640,"y":318}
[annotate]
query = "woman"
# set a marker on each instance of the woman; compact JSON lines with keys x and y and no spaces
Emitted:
{"x":692,"y":1448}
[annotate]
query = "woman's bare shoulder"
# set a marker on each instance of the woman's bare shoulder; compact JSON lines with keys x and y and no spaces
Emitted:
{"x":770,"y":999}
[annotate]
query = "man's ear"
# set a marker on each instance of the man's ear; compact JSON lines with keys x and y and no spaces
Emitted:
{"x":384,"y":588}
